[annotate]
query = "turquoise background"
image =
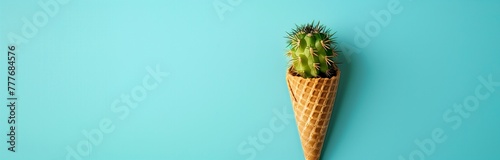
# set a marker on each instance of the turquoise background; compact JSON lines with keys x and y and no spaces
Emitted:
{"x":226,"y":79}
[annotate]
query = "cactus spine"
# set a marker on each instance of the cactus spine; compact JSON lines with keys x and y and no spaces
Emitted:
{"x":312,"y":50}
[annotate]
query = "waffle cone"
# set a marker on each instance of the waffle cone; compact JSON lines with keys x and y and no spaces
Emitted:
{"x":312,"y":100}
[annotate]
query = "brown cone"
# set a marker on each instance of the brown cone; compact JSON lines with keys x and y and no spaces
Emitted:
{"x":312,"y":100}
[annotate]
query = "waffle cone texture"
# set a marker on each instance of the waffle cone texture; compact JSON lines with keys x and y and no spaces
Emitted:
{"x":312,"y":100}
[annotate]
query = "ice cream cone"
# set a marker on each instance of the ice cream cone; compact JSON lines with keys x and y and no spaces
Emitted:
{"x":312,"y":100}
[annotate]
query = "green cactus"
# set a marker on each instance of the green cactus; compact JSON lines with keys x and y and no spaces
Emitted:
{"x":312,"y":51}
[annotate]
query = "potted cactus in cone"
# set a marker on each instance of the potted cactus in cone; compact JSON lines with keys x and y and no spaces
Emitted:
{"x":312,"y":79}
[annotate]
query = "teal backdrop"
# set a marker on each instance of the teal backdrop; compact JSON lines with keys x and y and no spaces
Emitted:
{"x":205,"y":79}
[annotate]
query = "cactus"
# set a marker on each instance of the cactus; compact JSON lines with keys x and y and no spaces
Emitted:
{"x":312,"y":51}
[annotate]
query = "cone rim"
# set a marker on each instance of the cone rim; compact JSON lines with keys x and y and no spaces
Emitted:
{"x":293,"y":74}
